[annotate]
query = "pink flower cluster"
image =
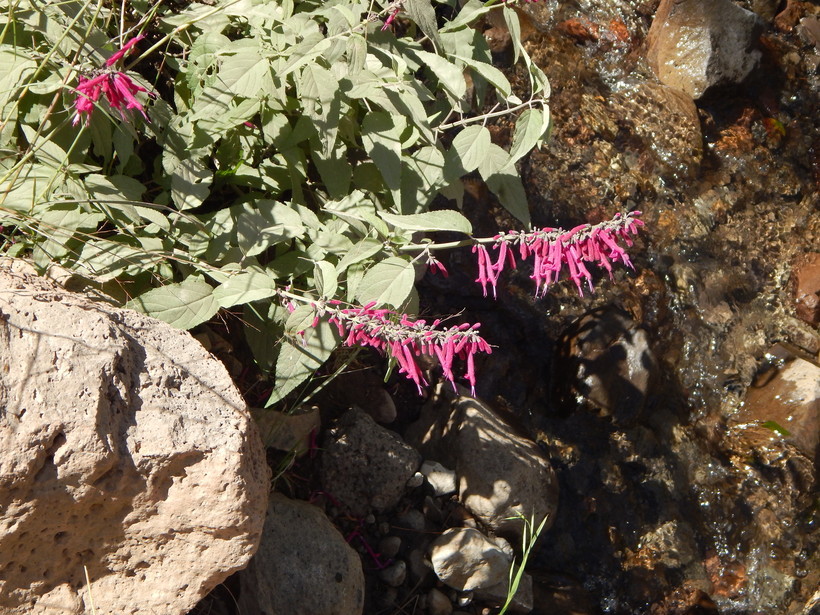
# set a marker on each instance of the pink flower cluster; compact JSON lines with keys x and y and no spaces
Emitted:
{"x":117,"y":87}
{"x":405,"y":339}
{"x":553,"y":249}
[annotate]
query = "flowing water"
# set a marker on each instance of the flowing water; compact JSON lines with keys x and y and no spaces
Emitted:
{"x":675,"y":499}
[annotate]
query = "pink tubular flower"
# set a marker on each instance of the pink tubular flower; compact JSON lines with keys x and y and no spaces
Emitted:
{"x":553,"y":248}
{"x":405,"y":339}
{"x":117,"y":87}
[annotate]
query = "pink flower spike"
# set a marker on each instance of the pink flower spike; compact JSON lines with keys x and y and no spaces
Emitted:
{"x":119,"y":54}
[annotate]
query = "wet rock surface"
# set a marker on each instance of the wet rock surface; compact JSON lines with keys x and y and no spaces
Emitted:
{"x":694,"y":45}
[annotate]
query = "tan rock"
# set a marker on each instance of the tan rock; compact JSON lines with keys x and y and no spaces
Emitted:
{"x":127,"y":454}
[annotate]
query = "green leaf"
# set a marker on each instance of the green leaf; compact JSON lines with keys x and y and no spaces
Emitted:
{"x":443,"y":220}
{"x":184,"y":305}
{"x":190,"y":184}
{"x":325,"y":279}
{"x":530,"y":129}
{"x":366,"y":248}
{"x":491,"y":75}
{"x":513,"y":25}
{"x":299,"y":359}
{"x":244,"y":287}
{"x":381,"y":135}
{"x":450,"y":76}
{"x":508,"y":188}
{"x":387,"y":283}
{"x":777,"y":428}
{"x":424,"y":16}
{"x":263,"y":331}
{"x":471,"y":145}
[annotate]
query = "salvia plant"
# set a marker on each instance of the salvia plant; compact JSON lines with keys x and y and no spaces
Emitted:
{"x":278,"y":158}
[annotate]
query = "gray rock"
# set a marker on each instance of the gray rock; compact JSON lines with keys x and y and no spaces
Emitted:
{"x":303,"y":566}
{"x":364,"y":465}
{"x":395,"y":574}
{"x":389,"y":546}
{"x":127,"y":452}
{"x":696,"y":44}
{"x":465,"y":559}
{"x":501,"y":475}
{"x":441,"y":479}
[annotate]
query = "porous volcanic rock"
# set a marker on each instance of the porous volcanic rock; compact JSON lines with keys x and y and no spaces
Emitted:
{"x":127,"y":455}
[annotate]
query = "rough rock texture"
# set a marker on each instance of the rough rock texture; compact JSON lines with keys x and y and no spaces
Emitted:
{"x":364,"y":465}
{"x":697,"y":44}
{"x":303,"y":566}
{"x":465,"y":559}
{"x":501,"y":475}
{"x":126,"y":451}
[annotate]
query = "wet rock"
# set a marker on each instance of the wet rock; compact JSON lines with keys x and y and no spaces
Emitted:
{"x":685,"y":600}
{"x":805,"y":282}
{"x":666,"y":120}
{"x":694,"y":45}
{"x":501,"y":475}
{"x":365,"y":465}
{"x":303,"y":566}
{"x":465,"y":559}
{"x":442,"y":480}
{"x":609,"y":363}
{"x":128,"y":455}
{"x":786,"y":398}
{"x":672,"y":545}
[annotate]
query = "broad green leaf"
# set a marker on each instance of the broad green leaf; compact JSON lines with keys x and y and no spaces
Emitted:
{"x":325,"y":279}
{"x":424,"y":15}
{"x":513,"y":25}
{"x":387,"y":283}
{"x":183,"y":305}
{"x":190,"y":184}
{"x":530,"y":129}
{"x":508,"y":188}
{"x":366,"y":248}
{"x":300,"y":320}
{"x":496,"y":160}
{"x":244,"y":287}
{"x":472,"y":10}
{"x":471,"y":145}
{"x":450,"y":76}
{"x":299,"y":359}
{"x":443,"y":220}
{"x":246,"y":73}
{"x":381,"y":135}
{"x":492,"y":75}
{"x":263,"y":331}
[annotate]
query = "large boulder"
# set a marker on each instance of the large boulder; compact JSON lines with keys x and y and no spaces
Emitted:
{"x":128,"y":459}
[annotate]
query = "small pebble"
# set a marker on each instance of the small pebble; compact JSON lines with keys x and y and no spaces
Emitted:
{"x":395,"y":574}
{"x":464,"y":599}
{"x":438,"y":603}
{"x":411,"y":520}
{"x":389,"y":546}
{"x":417,"y":480}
